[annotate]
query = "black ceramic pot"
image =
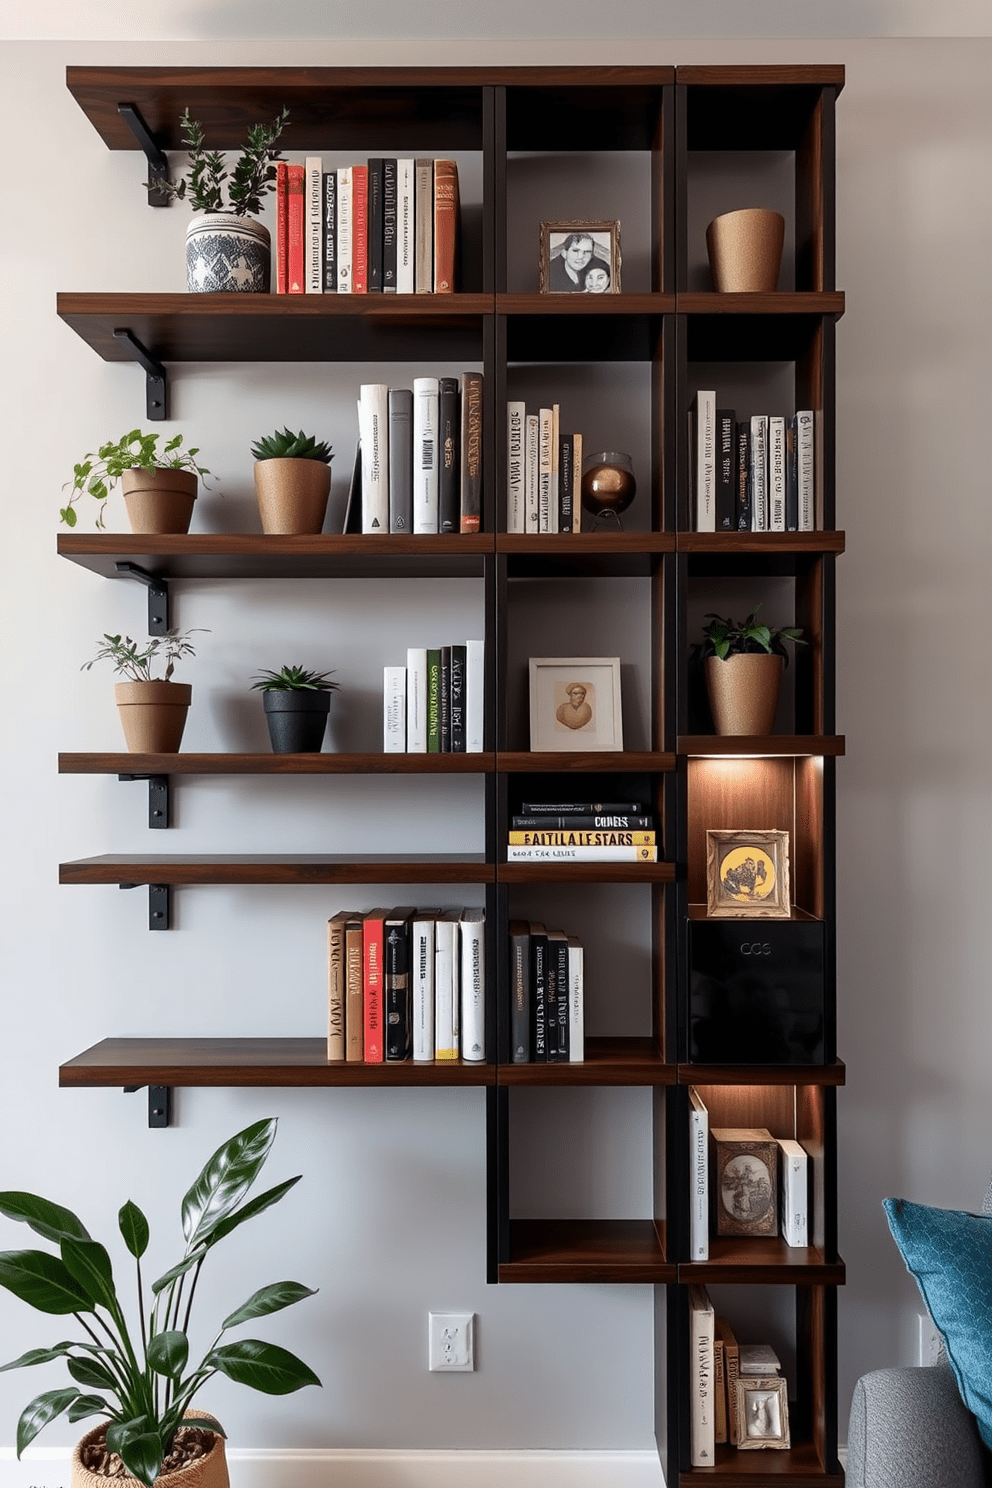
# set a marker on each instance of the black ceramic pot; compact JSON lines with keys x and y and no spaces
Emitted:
{"x":297,"y":719}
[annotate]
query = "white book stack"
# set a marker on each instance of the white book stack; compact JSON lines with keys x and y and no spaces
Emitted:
{"x":793,"y":1192}
{"x":699,"y":1208}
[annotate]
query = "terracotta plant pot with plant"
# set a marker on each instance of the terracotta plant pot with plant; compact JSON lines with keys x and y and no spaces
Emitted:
{"x":152,"y":710}
{"x":297,"y":703}
{"x":743,"y":662}
{"x":159,"y":487}
{"x":292,"y":483}
{"x":135,"y":1369}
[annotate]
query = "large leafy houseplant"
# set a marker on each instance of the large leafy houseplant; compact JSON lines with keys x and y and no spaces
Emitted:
{"x":137,"y":1371}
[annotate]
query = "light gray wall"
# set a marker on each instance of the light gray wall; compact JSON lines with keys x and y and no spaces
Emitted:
{"x":388,"y":1221}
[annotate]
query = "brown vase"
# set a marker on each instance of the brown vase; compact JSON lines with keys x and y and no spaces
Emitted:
{"x":159,"y":500}
{"x":205,"y":1472}
{"x":745,"y":250}
{"x":743,"y":692}
{"x":153,"y":715}
{"x":292,"y":495}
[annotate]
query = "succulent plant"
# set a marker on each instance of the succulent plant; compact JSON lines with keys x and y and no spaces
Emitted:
{"x":294,"y":679}
{"x":289,"y":446}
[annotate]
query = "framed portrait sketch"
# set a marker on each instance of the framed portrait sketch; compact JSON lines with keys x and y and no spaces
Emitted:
{"x":580,"y":258}
{"x":575,"y":703}
{"x":747,"y":875}
{"x":761,"y":1407}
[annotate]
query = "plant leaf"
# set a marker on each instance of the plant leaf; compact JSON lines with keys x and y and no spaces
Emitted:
{"x":39,"y":1356}
{"x":118,"y":1431}
{"x":86,"y":1405}
{"x":92,"y":1372}
{"x":38,"y":1413}
{"x":88,"y":1262}
{"x":48,"y":1220}
{"x":168,"y":1352}
{"x":269,"y":1299}
{"x":248,"y":1211}
{"x":225,"y":1179}
{"x":262,"y":1366}
{"x":134,"y":1228}
{"x":204,"y":1424}
{"x":179,"y":1270}
{"x":142,"y":1456}
{"x":43,"y":1281}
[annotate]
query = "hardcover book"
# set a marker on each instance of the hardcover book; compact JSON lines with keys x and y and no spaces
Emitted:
{"x":373,"y":430}
{"x":475,"y":696}
{"x":520,"y":1000}
{"x":336,"y":985}
{"x":516,"y":414}
{"x":473,"y":985}
{"x":396,"y":953}
{"x":389,"y":250}
{"x":354,"y":1007}
{"x":532,"y":473}
{"x":449,"y":456}
{"x":776,"y":474}
{"x":394,"y":709}
{"x":400,"y":460}
{"x":731,"y":1371}
{"x":576,"y":1002}
{"x":433,"y":701}
{"x":447,"y":985}
{"x":457,"y":699}
{"x":703,"y":425}
{"x":422,"y":983}
{"x":699,"y":1156}
{"x":470,"y":474}
{"x":794,"y":1192}
{"x":314,"y":177}
{"x":405,"y":226}
{"x":344,"y":195}
{"x":282,"y":226}
{"x":445,"y":225}
{"x":423,"y":261}
{"x":375,"y":224}
{"x":538,"y":991}
{"x":425,"y":454}
{"x":726,"y":471}
{"x":759,"y":472}
{"x":520,"y":854}
{"x":295,"y":218}
{"x":416,"y":700}
{"x":702,"y":1422}
{"x":374,"y":984}
{"x":359,"y":229}
{"x":330,"y":232}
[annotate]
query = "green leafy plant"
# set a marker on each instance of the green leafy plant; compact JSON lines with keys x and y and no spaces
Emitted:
{"x":97,"y":474}
{"x":289,"y":446}
{"x":254,"y":173}
{"x":725,"y":638}
{"x":137,"y":1373}
{"x":135,"y":662}
{"x":294,"y":679}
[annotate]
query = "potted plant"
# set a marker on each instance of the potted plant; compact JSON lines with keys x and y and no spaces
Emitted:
{"x":152,"y":710}
{"x":226,"y":250}
{"x":292,"y":482}
{"x":744,"y":661}
{"x":159,"y":486}
{"x":136,"y":1371}
{"x":296,"y":703}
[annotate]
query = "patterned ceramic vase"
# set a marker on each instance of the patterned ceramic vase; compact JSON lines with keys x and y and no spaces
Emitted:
{"x":226,"y":253}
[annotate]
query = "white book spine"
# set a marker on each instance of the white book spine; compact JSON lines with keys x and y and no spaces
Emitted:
{"x":516,"y":414}
{"x":422,"y":988}
{"x":373,"y":430}
{"x":405,"y":224}
{"x":532,"y":459}
{"x":416,"y":700}
{"x":473,"y":985}
{"x":776,"y":474}
{"x":702,"y":1423}
{"x":759,"y":472}
{"x":793,"y":1193}
{"x":475,"y":696}
{"x":576,"y":1007}
{"x":344,"y":230}
{"x":518,"y":854}
{"x":394,"y":709}
{"x":314,"y":244}
{"x":425,"y":454}
{"x":706,"y":461}
{"x":544,"y":474}
{"x":445,"y":989}
{"x":553,"y":499}
{"x":699,"y":1218}
{"x":805,"y":467}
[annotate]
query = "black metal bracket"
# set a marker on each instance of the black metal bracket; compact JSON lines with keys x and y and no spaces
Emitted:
{"x":159,"y":1103}
{"x":156,"y":389}
{"x":158,"y":165}
{"x":159,"y":814}
{"x":159,"y":906}
{"x":158,"y":595}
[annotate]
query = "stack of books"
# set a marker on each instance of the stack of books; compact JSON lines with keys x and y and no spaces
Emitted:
{"x":388,"y":226}
{"x":544,"y":472}
{"x":547,"y":1024}
{"x":406,"y":983}
{"x":716,"y":1362}
{"x":751,"y":475}
{"x":582,"y":832}
{"x":434,"y":705}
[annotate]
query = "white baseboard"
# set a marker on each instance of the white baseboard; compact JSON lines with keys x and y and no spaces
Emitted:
{"x":264,"y":1468}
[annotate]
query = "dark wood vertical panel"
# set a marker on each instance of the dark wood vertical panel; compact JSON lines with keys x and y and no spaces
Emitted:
{"x":773,"y":1106}
{"x":813,"y":1130}
{"x":809,"y":659}
{"x":680,"y":191}
{"x":808,"y":844}
{"x":737,"y":794}
{"x":814,"y":1348}
{"x":494,"y":190}
{"x":809,"y":204}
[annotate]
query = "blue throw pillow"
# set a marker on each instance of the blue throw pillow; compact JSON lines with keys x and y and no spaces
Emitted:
{"x":950,"y":1254}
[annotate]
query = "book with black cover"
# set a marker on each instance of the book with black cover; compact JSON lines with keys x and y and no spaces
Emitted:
{"x":444,"y":699}
{"x":330,"y":232}
{"x":726,"y":461}
{"x":471,"y":453}
{"x":396,"y":948}
{"x":450,"y":460}
{"x":457,"y":700}
{"x":538,"y":989}
{"x":791,"y":476}
{"x":400,"y":460}
{"x":389,"y":226}
{"x":520,"y":1009}
{"x":375,"y":226}
{"x":353,"y":510}
{"x":742,"y":504}
{"x":434,"y":700}
{"x":556,"y":998}
{"x":566,"y":478}
{"x":580,"y":808}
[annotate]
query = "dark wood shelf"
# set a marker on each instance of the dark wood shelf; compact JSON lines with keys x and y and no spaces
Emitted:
{"x":248,"y":555}
{"x":249,"y":1062}
{"x":762,"y":744}
{"x":575,"y":761}
{"x":278,"y":868}
{"x":276,"y":764}
{"x":790,"y":302}
{"x":768,"y":1469}
{"x":583,"y":554}
{"x":585,"y":307}
{"x":834,"y":1073}
{"x":762,"y":1261}
{"x":589,"y":1250}
{"x":608,"y":1062}
{"x":760,"y":542}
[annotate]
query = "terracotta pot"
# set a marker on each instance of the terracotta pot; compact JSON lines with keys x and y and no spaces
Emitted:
{"x":745,"y":250}
{"x":159,"y":500}
{"x":743,"y":692}
{"x":206,"y":1472}
{"x":153,"y":715}
{"x":292,"y":495}
{"x":227,"y":254}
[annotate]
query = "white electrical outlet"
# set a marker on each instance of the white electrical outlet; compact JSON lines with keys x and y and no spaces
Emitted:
{"x":929,"y":1340}
{"x":450,"y":1342}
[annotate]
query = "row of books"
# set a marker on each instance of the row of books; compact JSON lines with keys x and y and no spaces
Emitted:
{"x":744,"y":1181}
{"x":583,"y":832}
{"x":751,"y":475}
{"x":725,"y":1377}
{"x":406,"y":983}
{"x":388,"y":226}
{"x":419,"y":462}
{"x":547,"y":1022}
{"x":435,"y":704}
{"x":544,"y":472}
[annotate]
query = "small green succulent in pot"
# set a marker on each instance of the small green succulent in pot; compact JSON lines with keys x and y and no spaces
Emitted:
{"x":723,"y":638}
{"x":285,"y":445}
{"x":136,"y":1369}
{"x":294,"y":679}
{"x":97,"y":473}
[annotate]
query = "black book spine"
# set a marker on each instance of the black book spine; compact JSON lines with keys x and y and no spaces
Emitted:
{"x":444,"y":709}
{"x":792,"y":476}
{"x":330,"y":232}
{"x":583,"y":822}
{"x":396,"y":964}
{"x":520,"y":1008}
{"x":353,"y":511}
{"x":743,"y":493}
{"x":566,"y":478}
{"x":375,"y":227}
{"x":458,"y":663}
{"x":448,"y":472}
{"x":726,"y":461}
{"x":561,"y":947}
{"x":581,"y":808}
{"x":538,"y":983}
{"x":389,"y":226}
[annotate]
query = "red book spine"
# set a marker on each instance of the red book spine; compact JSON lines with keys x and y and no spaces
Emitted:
{"x":295,"y":215}
{"x":360,"y":229}
{"x":281,"y":227}
{"x":372,"y":945}
{"x":445,"y":225}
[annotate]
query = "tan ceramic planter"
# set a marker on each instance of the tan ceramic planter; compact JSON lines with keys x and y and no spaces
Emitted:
{"x":743,"y":692}
{"x":292,"y":495}
{"x":206,"y":1472}
{"x":159,"y":500}
{"x":745,"y":250}
{"x":153,"y":715}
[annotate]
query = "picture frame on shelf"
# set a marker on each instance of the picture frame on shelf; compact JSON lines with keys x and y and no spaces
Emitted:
{"x":579,"y":257}
{"x":575,"y":703}
{"x":745,"y":1180}
{"x":747,"y":874}
{"x":761,"y":1407}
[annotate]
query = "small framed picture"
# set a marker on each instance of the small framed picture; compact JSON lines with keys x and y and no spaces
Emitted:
{"x":747,"y":875}
{"x":580,"y":258}
{"x":761,"y":1406}
{"x":745,"y":1180}
{"x":575,"y":703}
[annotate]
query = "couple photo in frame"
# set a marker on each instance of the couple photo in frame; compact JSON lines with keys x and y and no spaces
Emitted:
{"x":580,"y":258}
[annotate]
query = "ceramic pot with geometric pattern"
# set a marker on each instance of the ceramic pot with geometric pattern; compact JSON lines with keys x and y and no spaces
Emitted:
{"x":227,"y":254}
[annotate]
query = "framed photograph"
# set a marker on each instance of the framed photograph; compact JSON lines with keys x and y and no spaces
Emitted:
{"x":745,"y":1180}
{"x":575,"y":703}
{"x":761,"y":1406}
{"x":747,"y":875}
{"x":580,"y":258}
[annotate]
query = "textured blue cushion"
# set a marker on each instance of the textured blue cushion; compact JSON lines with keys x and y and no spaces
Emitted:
{"x":950,"y":1254}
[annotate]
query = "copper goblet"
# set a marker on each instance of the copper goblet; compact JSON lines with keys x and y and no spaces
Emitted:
{"x":608,"y":485}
